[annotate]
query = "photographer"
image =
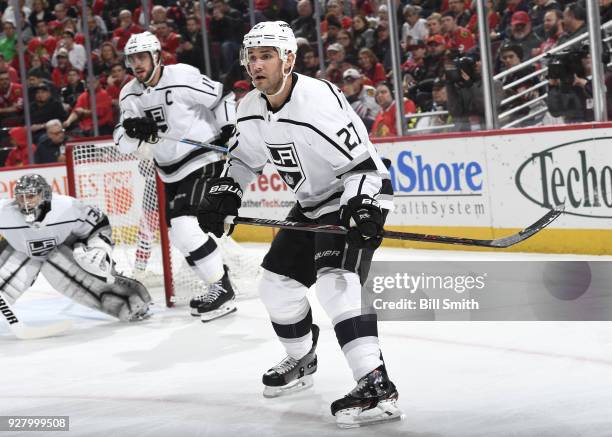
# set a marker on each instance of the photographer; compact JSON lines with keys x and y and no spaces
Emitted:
{"x":570,"y":86}
{"x":465,"y":92}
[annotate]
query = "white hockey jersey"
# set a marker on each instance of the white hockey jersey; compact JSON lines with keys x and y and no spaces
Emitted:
{"x":68,"y":220}
{"x":185,"y":104}
{"x":317,"y":143}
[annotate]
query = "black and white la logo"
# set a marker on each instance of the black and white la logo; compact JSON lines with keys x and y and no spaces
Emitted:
{"x":287,"y":163}
{"x":41,"y":247}
{"x":159,"y":115}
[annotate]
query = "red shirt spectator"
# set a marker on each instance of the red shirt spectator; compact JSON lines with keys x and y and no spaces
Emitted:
{"x":169,"y":40}
{"x":59,"y":75}
{"x":373,"y":70}
{"x":456,"y":37}
{"x":384,"y":125}
{"x":126,"y":28}
{"x":19,"y":155}
{"x":12,"y":95}
{"x":104,"y":110}
{"x":12,"y":72}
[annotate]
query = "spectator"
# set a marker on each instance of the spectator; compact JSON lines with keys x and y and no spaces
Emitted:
{"x":460,"y":13}
{"x":103,"y":63}
{"x":414,"y":27}
{"x":522,"y":34}
{"x":382,"y":46}
{"x":305,"y":25}
{"x":190,"y":51}
{"x":492,"y":16}
{"x":363,"y":34}
{"x":97,"y":34}
{"x":361,"y":97}
{"x":337,"y":64}
{"x":456,"y":37}
{"x":41,"y":65}
{"x":43,"y":38}
{"x":76,"y":52}
{"x":19,"y":155}
{"x":335,"y":8}
{"x":430,"y":7}
{"x":385,"y":123}
{"x":371,"y":68}
{"x":346,"y":41}
{"x":434,"y":60}
{"x":241,"y":88}
{"x":73,"y":89}
{"x":118,"y":78}
{"x":52,"y":145}
{"x":333,"y":27}
{"x":434,"y":24}
{"x":100,"y":24}
{"x":59,"y":75}
{"x":169,"y":40}
{"x":11,"y":101}
{"x":8,"y":41}
{"x":39,"y":13}
{"x":465,"y":93}
{"x":13,"y":76}
{"x":82,"y":113}
{"x":537,"y":13}
{"x":43,"y":109}
{"x":553,"y":29}
{"x":512,"y":6}
{"x":439,"y":103}
{"x":310,"y":62}
{"x":9,"y":13}
{"x":35,"y":78}
{"x":605,"y":10}
{"x":126,"y":29}
{"x":415,"y":64}
{"x":226,"y":29}
{"x":59,"y":11}
{"x":574,"y":22}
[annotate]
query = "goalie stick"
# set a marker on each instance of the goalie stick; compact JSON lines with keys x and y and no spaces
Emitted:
{"x":26,"y":332}
{"x":508,"y":241}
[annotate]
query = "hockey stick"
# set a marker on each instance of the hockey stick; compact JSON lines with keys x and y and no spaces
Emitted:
{"x":26,"y":332}
{"x":212,"y":147}
{"x":511,"y":240}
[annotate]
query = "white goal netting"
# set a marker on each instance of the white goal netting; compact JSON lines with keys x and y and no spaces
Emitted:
{"x":127,"y":190}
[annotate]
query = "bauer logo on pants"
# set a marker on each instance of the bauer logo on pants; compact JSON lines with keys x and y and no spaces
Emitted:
{"x":41,"y":247}
{"x":287,"y":163}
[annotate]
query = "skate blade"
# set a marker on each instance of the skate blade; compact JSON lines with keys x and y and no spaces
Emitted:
{"x":296,"y":386}
{"x":385,"y":411}
{"x":194,"y":312}
{"x":224,"y":310}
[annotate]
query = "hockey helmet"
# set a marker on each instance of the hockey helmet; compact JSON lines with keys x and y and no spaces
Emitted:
{"x":277,"y":34}
{"x":140,"y":43}
{"x":33,"y":195}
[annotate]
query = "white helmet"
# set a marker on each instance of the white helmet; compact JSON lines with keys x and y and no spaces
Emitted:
{"x":276,"y":34}
{"x":143,"y":42}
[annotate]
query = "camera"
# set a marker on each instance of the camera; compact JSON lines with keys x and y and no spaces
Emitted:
{"x":455,"y":66}
{"x":565,"y":64}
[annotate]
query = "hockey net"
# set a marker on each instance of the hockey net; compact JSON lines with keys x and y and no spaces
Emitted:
{"x":128,"y":190}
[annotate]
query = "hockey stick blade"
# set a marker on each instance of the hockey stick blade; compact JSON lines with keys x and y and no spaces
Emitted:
{"x":26,"y":332}
{"x":508,"y":241}
{"x":207,"y":146}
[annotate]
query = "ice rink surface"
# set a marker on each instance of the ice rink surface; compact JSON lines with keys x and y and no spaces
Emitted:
{"x":173,"y":375}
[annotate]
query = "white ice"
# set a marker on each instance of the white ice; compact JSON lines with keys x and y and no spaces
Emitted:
{"x":173,"y":375}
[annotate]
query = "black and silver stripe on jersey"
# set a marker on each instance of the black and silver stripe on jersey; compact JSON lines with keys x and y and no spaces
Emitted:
{"x":169,"y":169}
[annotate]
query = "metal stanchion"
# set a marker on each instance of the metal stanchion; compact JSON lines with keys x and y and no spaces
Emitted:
{"x":317,"y":16}
{"x":90,"y":76}
{"x":400,"y":118}
{"x":600,"y":109}
{"x":486,"y":67}
{"x":205,"y":39}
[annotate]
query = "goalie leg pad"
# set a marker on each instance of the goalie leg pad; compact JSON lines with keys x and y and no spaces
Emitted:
{"x":125,"y":299}
{"x":198,"y":248}
{"x":17,"y":272}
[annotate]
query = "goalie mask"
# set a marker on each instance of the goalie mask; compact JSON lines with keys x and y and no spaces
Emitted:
{"x":33,"y":195}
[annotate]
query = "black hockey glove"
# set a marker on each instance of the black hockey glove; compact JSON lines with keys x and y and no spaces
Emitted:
{"x":141,"y":128}
{"x":364,"y":219}
{"x":222,"y":198}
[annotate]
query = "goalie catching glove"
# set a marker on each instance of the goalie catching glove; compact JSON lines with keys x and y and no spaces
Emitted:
{"x":364,"y":219}
{"x":141,"y":128}
{"x":95,"y":257}
{"x":223,"y":198}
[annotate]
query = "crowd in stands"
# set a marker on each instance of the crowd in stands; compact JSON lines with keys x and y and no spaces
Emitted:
{"x":440,"y":60}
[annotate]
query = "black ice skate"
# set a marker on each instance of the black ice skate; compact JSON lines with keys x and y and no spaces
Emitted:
{"x":219,"y":300}
{"x":372,"y":401}
{"x":291,"y":375}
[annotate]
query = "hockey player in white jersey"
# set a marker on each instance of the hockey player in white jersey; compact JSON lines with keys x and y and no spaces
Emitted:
{"x":306,"y":128}
{"x":70,"y":244}
{"x":159,"y":107}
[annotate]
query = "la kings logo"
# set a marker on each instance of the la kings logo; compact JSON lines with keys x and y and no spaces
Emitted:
{"x":287,"y":163}
{"x":159,"y":115}
{"x":41,"y":247}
